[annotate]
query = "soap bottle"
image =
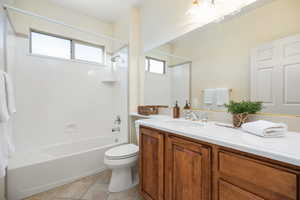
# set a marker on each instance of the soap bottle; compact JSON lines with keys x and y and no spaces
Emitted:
{"x":187,"y":105}
{"x":176,"y":111}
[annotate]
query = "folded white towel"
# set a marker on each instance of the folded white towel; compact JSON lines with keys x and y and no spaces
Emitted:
{"x":222,"y":96}
{"x":11,"y":104}
{"x":4,"y":112}
{"x":265,"y":128}
{"x":209,"y":96}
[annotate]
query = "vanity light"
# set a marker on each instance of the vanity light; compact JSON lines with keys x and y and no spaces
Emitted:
{"x":207,"y":11}
{"x":196,"y":8}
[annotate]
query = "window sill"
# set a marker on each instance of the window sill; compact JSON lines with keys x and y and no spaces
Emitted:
{"x":67,"y":60}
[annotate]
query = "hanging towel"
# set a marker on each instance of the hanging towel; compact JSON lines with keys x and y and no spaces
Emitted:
{"x":11,"y":104}
{"x":7,"y":109}
{"x":222,"y":96}
{"x":209,"y":96}
{"x":265,"y":128}
{"x":4,"y":112}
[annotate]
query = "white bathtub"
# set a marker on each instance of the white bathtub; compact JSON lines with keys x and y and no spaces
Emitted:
{"x":37,"y":171}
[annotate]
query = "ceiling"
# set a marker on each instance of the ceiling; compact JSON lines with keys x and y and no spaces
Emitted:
{"x":106,"y":10}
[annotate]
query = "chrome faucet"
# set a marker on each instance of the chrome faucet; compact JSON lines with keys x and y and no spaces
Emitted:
{"x":117,"y":124}
{"x":116,"y":129}
{"x":195,"y":116}
{"x":199,"y":116}
{"x":118,"y":120}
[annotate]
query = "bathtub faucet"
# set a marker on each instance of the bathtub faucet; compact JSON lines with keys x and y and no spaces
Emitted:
{"x":118,"y":120}
{"x":116,"y":129}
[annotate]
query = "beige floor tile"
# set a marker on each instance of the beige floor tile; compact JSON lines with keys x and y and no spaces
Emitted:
{"x":49,"y":195}
{"x":98,"y":191}
{"x":131,"y":194}
{"x":76,"y":189}
{"x":103,"y":177}
{"x":89,"y":188}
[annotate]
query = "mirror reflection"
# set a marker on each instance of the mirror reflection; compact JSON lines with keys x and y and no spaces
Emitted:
{"x":226,"y":61}
{"x":167,"y":77}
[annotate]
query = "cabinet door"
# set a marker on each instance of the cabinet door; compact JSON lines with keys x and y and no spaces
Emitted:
{"x":231,"y":192}
{"x":188,"y":170}
{"x":151,"y":164}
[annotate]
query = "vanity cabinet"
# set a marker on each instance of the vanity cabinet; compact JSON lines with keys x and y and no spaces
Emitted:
{"x":174,"y":167}
{"x":261,"y":178}
{"x":151,"y":164}
{"x":188,"y":170}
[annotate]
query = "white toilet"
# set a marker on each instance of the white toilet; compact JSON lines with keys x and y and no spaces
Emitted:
{"x":121,"y":160}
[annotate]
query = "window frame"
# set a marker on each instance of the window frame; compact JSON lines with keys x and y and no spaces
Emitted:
{"x":72,"y":47}
{"x":147,"y":68}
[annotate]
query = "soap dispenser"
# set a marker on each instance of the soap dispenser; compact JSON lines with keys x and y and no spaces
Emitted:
{"x":187,"y":105}
{"x":176,"y":111}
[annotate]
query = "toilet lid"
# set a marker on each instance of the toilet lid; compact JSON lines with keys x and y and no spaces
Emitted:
{"x":123,"y":151}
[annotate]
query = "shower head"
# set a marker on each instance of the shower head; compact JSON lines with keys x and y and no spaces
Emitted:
{"x":116,"y":58}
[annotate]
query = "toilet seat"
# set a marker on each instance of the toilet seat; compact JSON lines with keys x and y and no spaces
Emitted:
{"x":122,"y":152}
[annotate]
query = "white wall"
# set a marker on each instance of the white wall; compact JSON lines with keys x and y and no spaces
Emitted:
{"x":58,"y":100}
{"x":164,"y":20}
{"x":22,"y":23}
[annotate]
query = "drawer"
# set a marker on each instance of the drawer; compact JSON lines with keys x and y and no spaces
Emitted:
{"x":259,"y":177}
{"x":228,"y":191}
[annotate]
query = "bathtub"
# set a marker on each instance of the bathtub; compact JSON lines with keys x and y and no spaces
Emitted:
{"x":37,"y":171}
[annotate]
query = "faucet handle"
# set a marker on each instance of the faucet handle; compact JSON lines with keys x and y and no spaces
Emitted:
{"x":118,"y":120}
{"x":195,"y":116}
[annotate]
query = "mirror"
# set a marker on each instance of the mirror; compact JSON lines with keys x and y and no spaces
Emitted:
{"x":167,"y":77}
{"x":254,"y":55}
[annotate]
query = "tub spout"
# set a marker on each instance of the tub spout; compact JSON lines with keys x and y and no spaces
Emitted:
{"x":116,"y":129}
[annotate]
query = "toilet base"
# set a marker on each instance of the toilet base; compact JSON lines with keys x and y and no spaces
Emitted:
{"x":122,"y":179}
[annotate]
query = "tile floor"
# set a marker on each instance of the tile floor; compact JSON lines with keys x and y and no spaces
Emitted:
{"x":89,"y":188}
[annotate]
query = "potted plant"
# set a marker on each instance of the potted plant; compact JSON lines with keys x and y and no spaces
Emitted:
{"x":241,"y":111}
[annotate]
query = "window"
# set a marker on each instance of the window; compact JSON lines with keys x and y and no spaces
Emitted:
{"x":88,"y":52}
{"x":154,"y":65}
{"x":60,"y":47}
{"x":47,"y":45}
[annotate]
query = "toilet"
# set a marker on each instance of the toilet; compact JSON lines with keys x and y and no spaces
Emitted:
{"x":122,"y":160}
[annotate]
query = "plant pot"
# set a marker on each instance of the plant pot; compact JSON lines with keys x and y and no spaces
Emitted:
{"x":239,"y":119}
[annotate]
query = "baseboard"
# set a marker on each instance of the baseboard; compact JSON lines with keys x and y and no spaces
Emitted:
{"x":27,"y":193}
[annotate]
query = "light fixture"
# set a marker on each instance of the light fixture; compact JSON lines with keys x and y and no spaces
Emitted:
{"x":196,"y":7}
{"x":207,"y":11}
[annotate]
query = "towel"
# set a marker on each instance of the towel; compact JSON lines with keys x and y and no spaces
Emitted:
{"x":209,"y":96}
{"x":222,"y":96}
{"x":265,"y":128}
{"x":11,"y":105}
{"x":7,"y":109}
{"x":4,"y":112}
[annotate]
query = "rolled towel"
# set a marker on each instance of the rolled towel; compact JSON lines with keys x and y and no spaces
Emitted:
{"x":209,"y":96}
{"x":265,"y":129}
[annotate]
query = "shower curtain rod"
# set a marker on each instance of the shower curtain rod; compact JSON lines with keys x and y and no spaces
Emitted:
{"x":172,"y":55}
{"x":6,"y":7}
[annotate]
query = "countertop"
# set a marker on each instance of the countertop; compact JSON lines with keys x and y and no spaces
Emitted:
{"x":285,"y":149}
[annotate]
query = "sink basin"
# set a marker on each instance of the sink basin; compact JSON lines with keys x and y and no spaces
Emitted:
{"x":185,"y":123}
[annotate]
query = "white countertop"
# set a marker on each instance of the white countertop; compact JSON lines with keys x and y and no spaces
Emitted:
{"x":285,"y":149}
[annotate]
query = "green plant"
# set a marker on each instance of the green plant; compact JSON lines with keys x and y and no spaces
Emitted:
{"x":246,"y":107}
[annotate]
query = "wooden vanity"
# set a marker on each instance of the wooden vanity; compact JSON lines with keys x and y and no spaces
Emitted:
{"x":174,"y":167}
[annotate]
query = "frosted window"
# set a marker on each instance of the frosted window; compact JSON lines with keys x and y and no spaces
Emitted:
{"x":155,"y":66}
{"x":89,"y":53}
{"x":47,"y":45}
